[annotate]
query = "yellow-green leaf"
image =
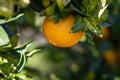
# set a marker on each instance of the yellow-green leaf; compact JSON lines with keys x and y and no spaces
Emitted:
{"x":4,"y":40}
{"x":102,"y":10}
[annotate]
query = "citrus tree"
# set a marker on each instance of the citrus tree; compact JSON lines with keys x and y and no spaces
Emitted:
{"x":66,"y":23}
{"x":89,"y":17}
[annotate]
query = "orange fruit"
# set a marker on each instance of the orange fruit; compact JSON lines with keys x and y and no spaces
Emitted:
{"x":59,"y":34}
{"x":110,"y":56}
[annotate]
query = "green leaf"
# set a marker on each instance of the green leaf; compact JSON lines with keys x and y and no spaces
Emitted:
{"x":4,"y":40}
{"x":77,"y":10}
{"x":50,"y":10}
{"x":62,"y":3}
{"x":6,"y":68}
{"x":104,"y":24}
{"x":78,"y":25}
{"x":104,"y":16}
{"x":102,"y":11}
{"x":94,"y":28}
{"x":3,"y":21}
{"x":91,"y":5}
{"x":29,"y":16}
{"x":33,"y":52}
{"x":36,"y":5}
{"x":14,"y":40}
{"x":83,"y":39}
{"x":21,"y":63}
{"x":46,"y":3}
{"x":5,"y":48}
{"x":23,"y":48}
{"x":89,"y":37}
{"x":57,"y":15}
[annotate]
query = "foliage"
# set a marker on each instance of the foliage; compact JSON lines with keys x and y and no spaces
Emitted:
{"x":12,"y":56}
{"x":85,"y":62}
{"x":90,"y":14}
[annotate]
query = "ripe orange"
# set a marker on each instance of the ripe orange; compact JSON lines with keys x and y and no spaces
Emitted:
{"x":59,"y":34}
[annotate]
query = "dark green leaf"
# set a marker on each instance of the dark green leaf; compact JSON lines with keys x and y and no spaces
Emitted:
{"x":5,"y":48}
{"x":36,"y":5}
{"x":77,"y":10}
{"x":66,"y":12}
{"x":4,"y":40}
{"x":109,"y":1}
{"x":6,"y":68}
{"x":89,"y":37}
{"x":3,"y":21}
{"x":23,"y":48}
{"x":57,"y":15}
{"x":29,"y":16}
{"x":78,"y":25}
{"x":21,"y":63}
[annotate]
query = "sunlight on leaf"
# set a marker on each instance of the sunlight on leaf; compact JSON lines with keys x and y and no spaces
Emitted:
{"x":21,"y":63}
{"x":3,"y":21}
{"x":3,"y":37}
{"x":83,"y":39}
{"x":102,"y":11}
{"x":33,"y":52}
{"x":103,"y":3}
{"x":23,"y":48}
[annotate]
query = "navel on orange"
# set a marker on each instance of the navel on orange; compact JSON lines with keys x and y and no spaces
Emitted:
{"x":59,"y":34}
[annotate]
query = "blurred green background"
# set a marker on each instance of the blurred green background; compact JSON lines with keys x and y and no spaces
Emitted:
{"x":80,"y":62}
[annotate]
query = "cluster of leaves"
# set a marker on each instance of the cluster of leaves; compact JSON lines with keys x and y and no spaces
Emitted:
{"x":13,"y":56}
{"x":90,"y":14}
